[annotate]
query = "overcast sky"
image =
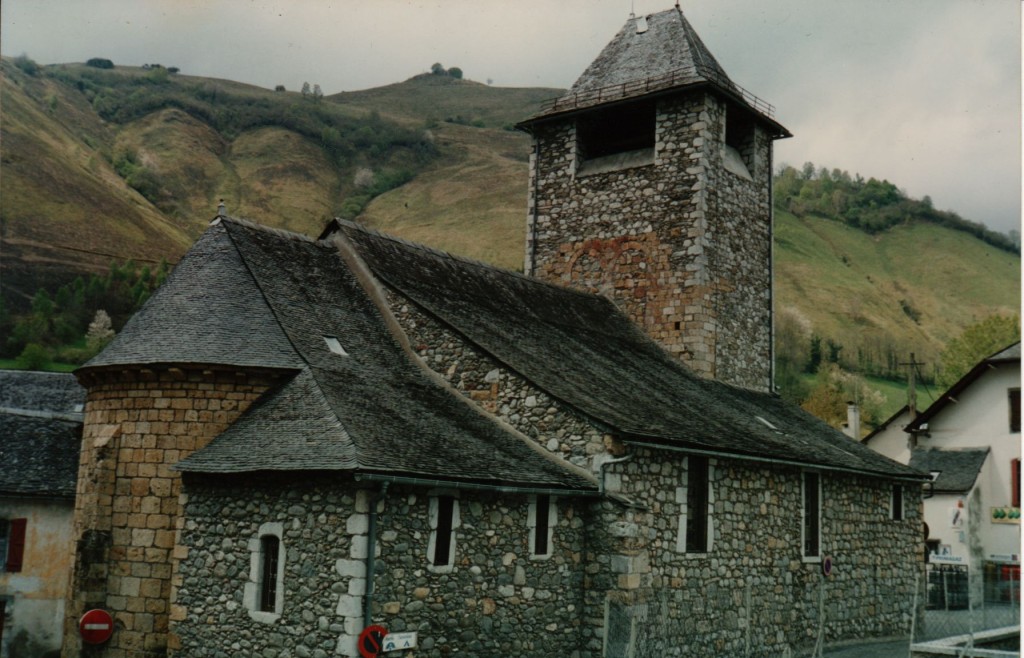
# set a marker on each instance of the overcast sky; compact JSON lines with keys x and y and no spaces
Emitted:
{"x":924,"y":93}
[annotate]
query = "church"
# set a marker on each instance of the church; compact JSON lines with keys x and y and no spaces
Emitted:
{"x":296,"y":439}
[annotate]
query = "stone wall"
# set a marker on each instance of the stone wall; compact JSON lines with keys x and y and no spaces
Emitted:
{"x":495,"y":600}
{"x":138,"y":423}
{"x":699,"y":602}
{"x":755,"y":576}
{"x":682,"y":244}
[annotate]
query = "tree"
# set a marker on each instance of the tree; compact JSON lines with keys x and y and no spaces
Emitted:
{"x":455,"y":72}
{"x":306,"y":90}
{"x":317,"y":93}
{"x":101,"y":332}
{"x":835,"y":389}
{"x":100,"y":63}
{"x":279,"y":88}
{"x":437,"y":69}
{"x":977,"y":341}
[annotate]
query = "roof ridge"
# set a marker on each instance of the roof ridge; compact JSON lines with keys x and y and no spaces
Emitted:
{"x":468,"y":261}
{"x":280,"y":232}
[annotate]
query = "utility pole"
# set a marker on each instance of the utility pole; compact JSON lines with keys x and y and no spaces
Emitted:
{"x":912,"y":395}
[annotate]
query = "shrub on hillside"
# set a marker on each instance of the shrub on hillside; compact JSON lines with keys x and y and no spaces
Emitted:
{"x":26,"y":65}
{"x":34,"y":357}
{"x":100,"y":63}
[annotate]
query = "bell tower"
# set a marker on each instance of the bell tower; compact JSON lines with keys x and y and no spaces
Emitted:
{"x":650,"y":182}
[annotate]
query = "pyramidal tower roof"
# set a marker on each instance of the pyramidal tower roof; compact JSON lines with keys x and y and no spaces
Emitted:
{"x":652,"y":54}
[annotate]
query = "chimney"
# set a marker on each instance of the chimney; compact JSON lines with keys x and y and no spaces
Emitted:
{"x":222,"y":209}
{"x":852,"y":427}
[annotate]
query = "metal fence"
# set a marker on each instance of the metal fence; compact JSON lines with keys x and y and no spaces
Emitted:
{"x":959,"y":612}
{"x":969,"y":612}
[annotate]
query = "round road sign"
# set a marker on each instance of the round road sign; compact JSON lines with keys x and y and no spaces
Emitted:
{"x":371,"y":640}
{"x":826,"y":565}
{"x":96,"y":626}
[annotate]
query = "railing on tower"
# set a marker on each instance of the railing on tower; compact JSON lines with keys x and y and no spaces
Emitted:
{"x":677,"y":78}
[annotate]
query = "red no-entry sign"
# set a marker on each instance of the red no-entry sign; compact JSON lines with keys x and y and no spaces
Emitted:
{"x":371,"y":640}
{"x":96,"y":626}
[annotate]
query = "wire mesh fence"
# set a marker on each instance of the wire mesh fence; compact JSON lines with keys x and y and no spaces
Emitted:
{"x":969,"y":611}
{"x":962,"y":612}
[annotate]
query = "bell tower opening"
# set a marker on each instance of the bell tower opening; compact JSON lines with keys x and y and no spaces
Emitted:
{"x":622,"y":135}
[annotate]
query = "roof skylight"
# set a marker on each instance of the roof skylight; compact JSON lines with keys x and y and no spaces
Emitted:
{"x":334,"y":345}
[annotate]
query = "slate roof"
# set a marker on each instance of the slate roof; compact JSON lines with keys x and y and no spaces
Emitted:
{"x":376,"y":410}
{"x":580,"y":349}
{"x":40,"y":433}
{"x":209,"y":311}
{"x":41,"y":393}
{"x":652,"y":54}
{"x":1008,"y":354}
{"x":958,"y":469}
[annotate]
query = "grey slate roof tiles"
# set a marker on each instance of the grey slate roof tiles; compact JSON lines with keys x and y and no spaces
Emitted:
{"x":374,"y":410}
{"x":652,"y":54}
{"x":581,"y":350}
{"x":40,"y":431}
{"x":208,"y":312}
{"x":958,"y":469}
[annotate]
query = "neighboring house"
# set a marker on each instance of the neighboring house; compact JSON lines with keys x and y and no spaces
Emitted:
{"x":969,"y":440}
{"x":40,"y":435}
{"x":297,"y":438}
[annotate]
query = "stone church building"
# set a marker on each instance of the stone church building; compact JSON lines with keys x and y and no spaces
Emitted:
{"x":297,"y":438}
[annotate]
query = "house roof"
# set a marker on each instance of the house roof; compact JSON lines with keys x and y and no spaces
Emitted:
{"x":957,"y":469}
{"x":1006,"y":355}
{"x":46,"y":394}
{"x":376,"y":410}
{"x":652,"y":54}
{"x":885,"y":424}
{"x":40,"y":433}
{"x":581,"y":350}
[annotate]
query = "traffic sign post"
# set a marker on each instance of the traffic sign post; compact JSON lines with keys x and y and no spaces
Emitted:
{"x":371,"y":641}
{"x":96,"y":627}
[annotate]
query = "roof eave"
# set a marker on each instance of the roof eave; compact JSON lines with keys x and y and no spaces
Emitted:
{"x":777,"y":130}
{"x":653,"y":442}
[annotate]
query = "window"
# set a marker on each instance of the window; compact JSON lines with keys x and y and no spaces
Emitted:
{"x":444,"y":519}
{"x":263,"y":595}
{"x":12,"y":543}
{"x":695,"y":496}
{"x":896,"y":504}
{"x":1015,"y":410}
{"x":811,"y":527}
{"x":739,"y":142}
{"x":541,"y":519}
{"x":1015,"y":482}
{"x":334,"y":345}
{"x":269,"y":549}
{"x":611,"y":131}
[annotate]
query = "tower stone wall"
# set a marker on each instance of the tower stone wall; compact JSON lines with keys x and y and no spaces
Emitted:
{"x":680,"y":239}
{"x":138,"y":423}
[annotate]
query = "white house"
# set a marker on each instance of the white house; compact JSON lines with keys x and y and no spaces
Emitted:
{"x":969,"y":440}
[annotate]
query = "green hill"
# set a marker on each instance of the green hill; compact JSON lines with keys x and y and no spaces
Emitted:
{"x":102,"y":165}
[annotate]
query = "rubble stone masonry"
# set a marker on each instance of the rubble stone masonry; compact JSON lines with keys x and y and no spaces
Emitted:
{"x":138,"y":423}
{"x":678,"y":239}
{"x":753,"y":588}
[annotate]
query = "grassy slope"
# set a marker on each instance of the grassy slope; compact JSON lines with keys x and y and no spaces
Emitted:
{"x":853,"y":287}
{"x":59,"y":197}
{"x":59,"y":188}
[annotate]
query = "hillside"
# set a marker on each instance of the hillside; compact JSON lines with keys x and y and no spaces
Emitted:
{"x":126,"y":163}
